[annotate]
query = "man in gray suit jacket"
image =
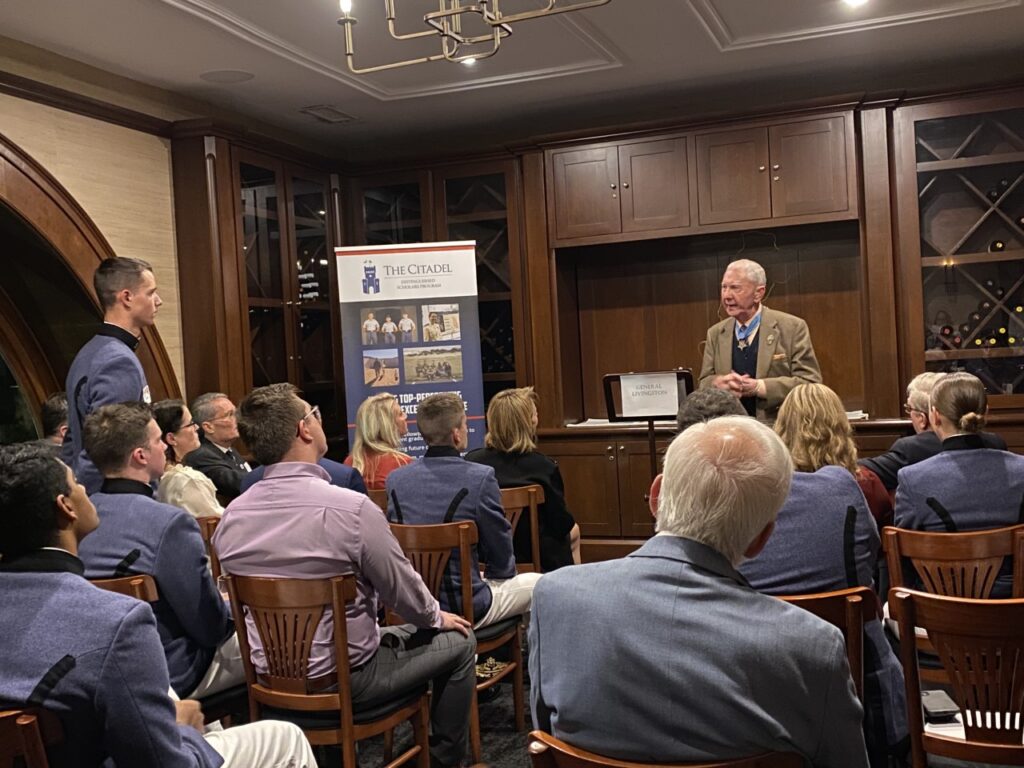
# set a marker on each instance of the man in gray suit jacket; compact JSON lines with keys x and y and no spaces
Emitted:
{"x":758,"y":354}
{"x":668,"y":655}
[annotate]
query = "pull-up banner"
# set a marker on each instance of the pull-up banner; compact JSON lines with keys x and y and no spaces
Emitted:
{"x":410,"y":326}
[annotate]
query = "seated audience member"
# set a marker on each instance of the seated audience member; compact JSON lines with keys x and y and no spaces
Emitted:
{"x":54,"y":418}
{"x":181,"y":485}
{"x":295,"y":524}
{"x":341,"y":476}
{"x":668,"y":655}
{"x":377,"y":447}
{"x":825,"y":539}
{"x":706,"y":404}
{"x":511,"y":451}
{"x":924,"y":443}
{"x":443,"y":487}
{"x":139,"y":534}
{"x":93,"y":657}
{"x":218,"y":430}
{"x":968,"y":486}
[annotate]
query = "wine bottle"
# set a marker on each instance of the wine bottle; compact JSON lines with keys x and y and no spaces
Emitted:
{"x":975,"y":318}
{"x":957,"y":341}
{"x":984,"y":306}
{"x":946,"y":331}
{"x":993,"y":194}
{"x":996,"y":246}
{"x":965,"y":329}
{"x":1004,"y":183}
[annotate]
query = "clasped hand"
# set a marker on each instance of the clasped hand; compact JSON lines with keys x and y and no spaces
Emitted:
{"x":739,"y":384}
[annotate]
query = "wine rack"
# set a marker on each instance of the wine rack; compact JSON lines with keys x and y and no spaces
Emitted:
{"x":970,"y":190}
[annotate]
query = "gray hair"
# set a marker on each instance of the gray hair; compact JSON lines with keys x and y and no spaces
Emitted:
{"x":753,"y":271}
{"x":724,"y":481}
{"x":706,"y":404}
{"x":920,"y":388}
{"x":202,"y":407}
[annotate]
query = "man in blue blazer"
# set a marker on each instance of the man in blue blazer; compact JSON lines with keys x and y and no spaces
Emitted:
{"x":106,"y":370}
{"x":341,"y":476}
{"x":668,"y":655}
{"x":142,"y":535}
{"x":443,"y":488}
{"x":93,"y":657}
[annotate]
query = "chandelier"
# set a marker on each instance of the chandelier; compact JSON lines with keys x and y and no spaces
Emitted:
{"x":490,"y":23}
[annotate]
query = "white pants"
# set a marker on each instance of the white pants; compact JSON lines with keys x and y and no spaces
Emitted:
{"x":226,"y":670}
{"x":509,"y":597}
{"x":266,"y":744}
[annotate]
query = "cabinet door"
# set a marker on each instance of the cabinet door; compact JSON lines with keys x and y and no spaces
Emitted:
{"x":732,"y":176}
{"x":635,"y":478}
{"x":808,"y":167}
{"x":586,"y":192}
{"x":655,"y":192}
{"x":590,"y":471}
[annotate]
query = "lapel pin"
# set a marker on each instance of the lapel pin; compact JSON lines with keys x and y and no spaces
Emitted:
{"x":771,"y":338}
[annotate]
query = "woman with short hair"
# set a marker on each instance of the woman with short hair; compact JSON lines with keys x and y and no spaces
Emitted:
{"x":511,"y":450}
{"x":181,"y":485}
{"x":377,"y":447}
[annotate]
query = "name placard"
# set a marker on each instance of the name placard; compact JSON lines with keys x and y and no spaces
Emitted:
{"x":648,"y":395}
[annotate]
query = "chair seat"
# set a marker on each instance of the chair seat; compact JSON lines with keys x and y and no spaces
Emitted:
{"x":329,"y":718}
{"x":496,"y":630}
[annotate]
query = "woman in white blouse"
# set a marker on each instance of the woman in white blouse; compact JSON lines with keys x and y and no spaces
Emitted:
{"x":180,"y":485}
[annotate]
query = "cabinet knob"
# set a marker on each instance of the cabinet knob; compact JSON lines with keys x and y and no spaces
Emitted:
{"x":615,"y":186}
{"x":761,"y":168}
{"x":625,"y":185}
{"x":610,"y":448}
{"x":775,"y":167}
{"x":288,"y":303}
{"x":622,"y":447}
{"x":775,"y":178}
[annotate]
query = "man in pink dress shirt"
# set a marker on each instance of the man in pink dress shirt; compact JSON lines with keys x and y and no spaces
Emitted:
{"x":295,"y":524}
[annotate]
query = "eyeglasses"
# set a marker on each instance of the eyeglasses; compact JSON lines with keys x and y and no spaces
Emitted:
{"x":224,"y":416}
{"x":314,"y":412}
{"x":909,"y":409}
{"x":191,"y":425}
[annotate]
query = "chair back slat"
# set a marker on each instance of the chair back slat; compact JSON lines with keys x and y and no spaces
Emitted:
{"x":981,"y":646}
{"x":25,"y":733}
{"x":207,"y":527}
{"x":548,"y":752}
{"x":516,"y":501}
{"x":429,"y":549}
{"x":141,"y":586}
{"x":379,"y":496}
{"x":956,"y":564}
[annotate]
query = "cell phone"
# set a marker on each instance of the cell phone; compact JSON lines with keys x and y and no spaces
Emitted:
{"x":938,"y":707}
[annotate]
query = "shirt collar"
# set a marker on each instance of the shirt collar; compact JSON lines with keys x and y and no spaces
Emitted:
{"x":125,"y":485}
{"x":760,"y":307}
{"x":442,"y":451}
{"x":295,"y":469}
{"x":119,"y":333}
{"x":45,"y":560}
{"x":966,"y":442}
{"x":690,"y":551}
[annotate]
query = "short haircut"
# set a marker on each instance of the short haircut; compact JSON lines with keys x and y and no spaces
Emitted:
{"x":812,"y":423}
{"x":438,"y":415}
{"x":724,"y":481}
{"x":203,"y":408}
{"x":376,"y":431}
{"x":54,"y":413}
{"x":510,"y":421}
{"x":919,"y":390}
{"x":31,"y":479}
{"x":170,"y":417}
{"x":115,"y":275}
{"x":707,"y":404}
{"x":753,"y":271}
{"x":960,"y":398}
{"x":268,"y":420}
{"x":112,"y":432}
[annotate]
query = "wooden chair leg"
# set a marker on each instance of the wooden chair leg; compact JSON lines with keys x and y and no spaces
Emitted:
{"x":389,"y":744}
{"x":517,"y":683}
{"x":31,"y":741}
{"x":421,"y":733}
{"x":474,"y":729}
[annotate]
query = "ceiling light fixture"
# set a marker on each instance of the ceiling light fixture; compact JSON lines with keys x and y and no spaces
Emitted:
{"x":446,"y":23}
{"x":851,"y":3}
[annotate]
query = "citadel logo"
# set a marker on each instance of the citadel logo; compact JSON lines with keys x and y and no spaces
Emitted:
{"x":371,"y":283}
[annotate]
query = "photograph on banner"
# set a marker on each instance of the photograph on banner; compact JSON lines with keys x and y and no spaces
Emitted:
{"x":411,"y":327}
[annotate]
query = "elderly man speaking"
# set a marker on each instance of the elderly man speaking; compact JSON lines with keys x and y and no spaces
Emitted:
{"x":758,"y":354}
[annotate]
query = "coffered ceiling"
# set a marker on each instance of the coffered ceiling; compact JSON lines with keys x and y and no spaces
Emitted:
{"x":626,"y":62}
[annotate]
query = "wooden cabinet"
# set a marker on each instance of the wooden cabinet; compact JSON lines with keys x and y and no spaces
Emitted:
{"x":606,"y":483}
{"x":775,"y":171}
{"x":624,"y":187}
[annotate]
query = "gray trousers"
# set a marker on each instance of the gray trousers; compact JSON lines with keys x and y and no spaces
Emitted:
{"x":408,"y":658}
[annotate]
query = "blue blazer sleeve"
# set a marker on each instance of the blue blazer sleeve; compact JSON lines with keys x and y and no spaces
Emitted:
{"x":138,"y":714}
{"x":183,"y":573}
{"x":355,"y":482}
{"x":495,"y":543}
{"x":119,"y":380}
{"x":538,"y":708}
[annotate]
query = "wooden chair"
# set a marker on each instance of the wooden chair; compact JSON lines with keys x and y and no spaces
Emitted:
{"x":429,"y":548}
{"x":981,"y":645}
{"x":849,"y":609}
{"x":286,"y":613}
{"x":954,"y":565}
{"x":548,"y":752}
{"x":515,"y":501}
{"x":207,"y":526}
{"x":25,"y":733}
{"x":141,"y":586}
{"x":379,"y":497}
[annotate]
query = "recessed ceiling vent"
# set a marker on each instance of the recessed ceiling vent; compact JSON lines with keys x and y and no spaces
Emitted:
{"x":325,"y":113}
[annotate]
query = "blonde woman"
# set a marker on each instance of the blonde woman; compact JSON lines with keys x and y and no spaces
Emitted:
{"x":511,"y":449}
{"x":377,"y":448}
{"x":825,"y":539}
{"x":180,"y":485}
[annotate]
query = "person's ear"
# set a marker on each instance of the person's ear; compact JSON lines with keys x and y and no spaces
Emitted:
{"x":759,"y":542}
{"x":304,"y":434}
{"x":654,"y":495}
{"x":66,"y":514}
{"x":759,"y":292}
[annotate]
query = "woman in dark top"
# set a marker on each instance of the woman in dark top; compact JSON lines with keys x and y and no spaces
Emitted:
{"x":511,"y":449}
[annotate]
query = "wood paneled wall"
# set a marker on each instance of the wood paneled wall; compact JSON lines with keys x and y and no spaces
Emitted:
{"x":122,"y":179}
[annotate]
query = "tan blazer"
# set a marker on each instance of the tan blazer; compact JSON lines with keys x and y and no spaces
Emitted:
{"x":785,"y":357}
